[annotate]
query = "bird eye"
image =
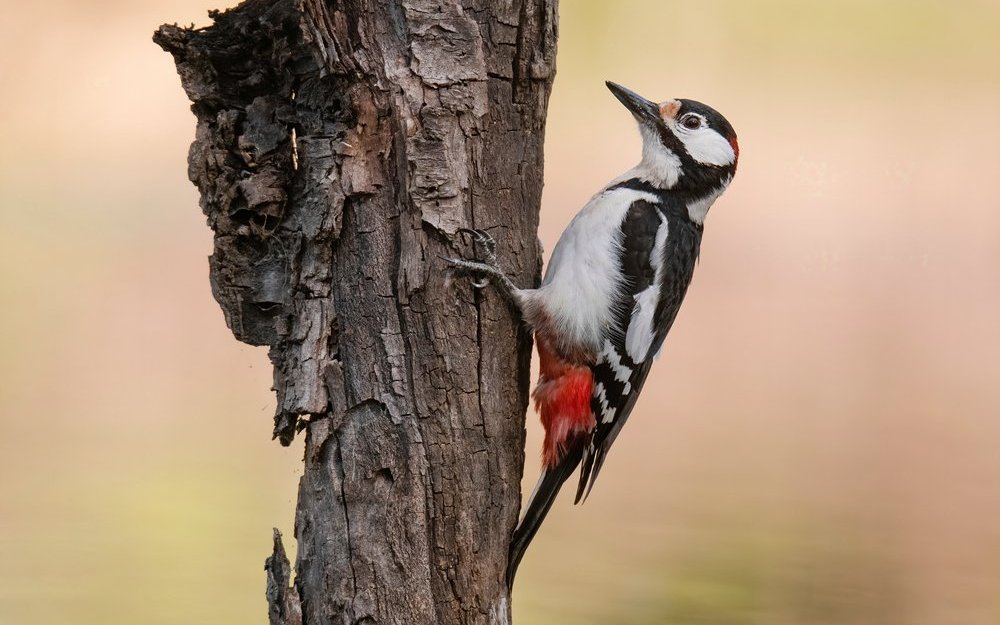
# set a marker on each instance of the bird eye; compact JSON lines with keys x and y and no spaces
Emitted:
{"x":691,"y":122}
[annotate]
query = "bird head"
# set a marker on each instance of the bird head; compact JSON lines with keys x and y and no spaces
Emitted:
{"x":687,"y":146}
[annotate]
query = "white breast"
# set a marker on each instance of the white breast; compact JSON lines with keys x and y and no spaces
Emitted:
{"x":583,"y":277}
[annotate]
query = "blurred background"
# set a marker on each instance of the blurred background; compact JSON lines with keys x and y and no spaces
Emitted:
{"x":819,"y":444}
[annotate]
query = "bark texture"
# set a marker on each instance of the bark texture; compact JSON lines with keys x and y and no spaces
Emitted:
{"x":339,"y":147}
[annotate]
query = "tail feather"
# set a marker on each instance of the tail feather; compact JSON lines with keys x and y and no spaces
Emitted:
{"x":587,"y":465}
{"x":541,"y":500}
{"x":593,"y":460}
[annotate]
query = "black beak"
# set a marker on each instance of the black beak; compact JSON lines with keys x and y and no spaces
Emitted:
{"x":644,"y":110}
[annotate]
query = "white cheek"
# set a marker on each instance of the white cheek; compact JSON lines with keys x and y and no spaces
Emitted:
{"x":708,"y":147}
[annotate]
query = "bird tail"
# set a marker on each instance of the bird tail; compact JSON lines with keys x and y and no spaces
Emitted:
{"x":541,"y":500}
{"x":595,"y":455}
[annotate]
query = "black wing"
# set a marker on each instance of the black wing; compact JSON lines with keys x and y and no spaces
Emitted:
{"x":655,"y":238}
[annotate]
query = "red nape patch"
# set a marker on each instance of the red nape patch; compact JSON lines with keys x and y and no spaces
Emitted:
{"x":562,"y":399}
{"x":736,"y":150}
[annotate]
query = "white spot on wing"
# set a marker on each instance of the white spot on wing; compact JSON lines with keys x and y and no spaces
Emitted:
{"x":614,"y":360}
{"x":639,"y":336}
{"x":607,"y":414}
{"x":641,"y":329}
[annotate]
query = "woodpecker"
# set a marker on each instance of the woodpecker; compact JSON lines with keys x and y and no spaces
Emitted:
{"x":612,"y":289}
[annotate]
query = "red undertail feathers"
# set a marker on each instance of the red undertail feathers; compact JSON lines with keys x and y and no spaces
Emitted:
{"x":562,"y":399}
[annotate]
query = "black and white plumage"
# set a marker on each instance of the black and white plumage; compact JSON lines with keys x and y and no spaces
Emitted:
{"x":659,"y":248}
{"x":612,"y":290}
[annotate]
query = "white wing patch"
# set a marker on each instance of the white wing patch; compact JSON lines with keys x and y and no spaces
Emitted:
{"x":622,"y":373}
{"x":607,"y":414}
{"x":641,"y":331}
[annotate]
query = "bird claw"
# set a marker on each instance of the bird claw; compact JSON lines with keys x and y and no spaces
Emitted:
{"x":482,"y":241}
{"x":483,"y":269}
{"x":477,"y":234}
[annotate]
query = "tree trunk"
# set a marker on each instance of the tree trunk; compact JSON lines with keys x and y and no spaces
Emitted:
{"x":340,"y":146}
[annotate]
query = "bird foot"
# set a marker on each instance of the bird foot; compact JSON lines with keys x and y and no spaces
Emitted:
{"x":484,"y":270}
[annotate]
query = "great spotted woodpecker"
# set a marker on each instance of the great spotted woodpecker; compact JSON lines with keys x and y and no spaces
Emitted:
{"x":612,"y":289}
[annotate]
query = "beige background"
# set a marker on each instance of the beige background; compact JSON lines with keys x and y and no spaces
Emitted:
{"x":818,"y":445}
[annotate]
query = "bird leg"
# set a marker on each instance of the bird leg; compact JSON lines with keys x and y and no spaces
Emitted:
{"x":484,"y":269}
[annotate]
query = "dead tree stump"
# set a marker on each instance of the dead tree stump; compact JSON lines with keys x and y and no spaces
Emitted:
{"x":339,"y":147}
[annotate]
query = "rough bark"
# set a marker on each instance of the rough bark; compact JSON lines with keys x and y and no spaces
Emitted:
{"x":339,"y":147}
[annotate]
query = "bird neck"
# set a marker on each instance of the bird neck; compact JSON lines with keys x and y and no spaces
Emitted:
{"x":696,"y":201}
